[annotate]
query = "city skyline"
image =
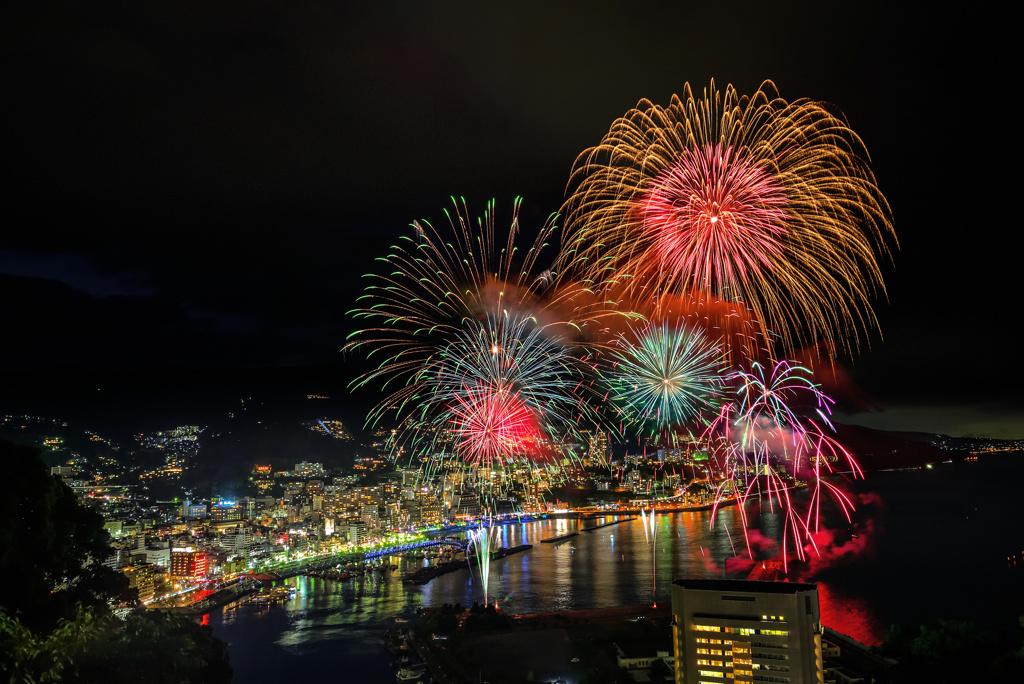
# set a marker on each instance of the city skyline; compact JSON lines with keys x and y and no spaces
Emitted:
{"x":203,"y":190}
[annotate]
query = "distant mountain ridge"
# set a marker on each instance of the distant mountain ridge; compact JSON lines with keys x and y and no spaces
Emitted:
{"x":262,"y":410}
{"x":880,"y":449}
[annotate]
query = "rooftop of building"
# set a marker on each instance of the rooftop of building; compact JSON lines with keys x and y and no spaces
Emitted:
{"x":745,"y":586}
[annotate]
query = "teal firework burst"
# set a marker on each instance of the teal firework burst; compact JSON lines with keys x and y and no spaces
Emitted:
{"x":669,"y":377}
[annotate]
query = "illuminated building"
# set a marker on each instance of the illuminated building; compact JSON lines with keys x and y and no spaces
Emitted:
{"x":357,"y":532}
{"x":262,"y":477}
{"x":599,"y":450}
{"x":729,"y":631}
{"x":239,"y":542}
{"x":425,"y":509}
{"x":141,"y":577}
{"x":193,"y":510}
{"x":409,"y":476}
{"x":159,"y":553}
{"x":226,"y":511}
{"x":305,"y":469}
{"x":370,"y":516}
{"x":331,"y":428}
{"x":466,"y":505}
{"x":188,"y":565}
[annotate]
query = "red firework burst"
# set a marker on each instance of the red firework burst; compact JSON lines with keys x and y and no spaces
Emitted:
{"x":491,"y":425}
{"x":715,"y":216}
{"x":754,"y":200}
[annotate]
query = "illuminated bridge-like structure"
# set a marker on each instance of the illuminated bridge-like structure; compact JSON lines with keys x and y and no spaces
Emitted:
{"x":457,"y":543}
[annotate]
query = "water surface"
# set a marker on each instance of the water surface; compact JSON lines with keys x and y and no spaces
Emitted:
{"x":923,"y":544}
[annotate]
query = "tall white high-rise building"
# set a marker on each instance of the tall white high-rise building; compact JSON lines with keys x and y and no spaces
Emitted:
{"x":729,"y":631}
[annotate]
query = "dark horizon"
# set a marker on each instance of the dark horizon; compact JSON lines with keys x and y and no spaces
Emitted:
{"x":128,"y":402}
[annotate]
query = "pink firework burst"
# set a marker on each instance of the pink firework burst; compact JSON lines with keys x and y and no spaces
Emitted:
{"x":491,"y":424}
{"x":716,"y":216}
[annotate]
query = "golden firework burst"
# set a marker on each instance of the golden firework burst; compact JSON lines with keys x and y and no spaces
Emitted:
{"x":750,"y":199}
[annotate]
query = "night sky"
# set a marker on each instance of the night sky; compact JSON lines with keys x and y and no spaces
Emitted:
{"x":201,"y":184}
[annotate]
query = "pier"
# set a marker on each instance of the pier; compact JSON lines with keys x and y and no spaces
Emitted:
{"x":660,"y":508}
{"x":218,"y":599}
{"x":503,"y":552}
{"x":613,"y":522}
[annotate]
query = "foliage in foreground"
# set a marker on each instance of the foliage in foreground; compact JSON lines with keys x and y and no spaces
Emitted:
{"x":953,"y":651}
{"x":149,"y":646}
{"x":55,"y":623}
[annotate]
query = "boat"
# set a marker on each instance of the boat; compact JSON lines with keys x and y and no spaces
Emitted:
{"x":406,"y":672}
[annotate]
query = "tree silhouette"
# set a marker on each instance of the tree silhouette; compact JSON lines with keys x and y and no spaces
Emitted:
{"x":55,"y":624}
{"x":149,"y":646}
{"x":51,"y":546}
{"x":952,"y":651}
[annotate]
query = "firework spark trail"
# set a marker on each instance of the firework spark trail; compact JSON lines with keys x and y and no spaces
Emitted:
{"x":435,"y":283}
{"x":482,"y":540}
{"x":731,"y":544}
{"x":766,"y":426}
{"x":772,"y":396}
{"x":513,"y":353}
{"x":489,"y":424}
{"x":822,"y":451}
{"x":470,"y":343}
{"x":738,"y":226}
{"x":652,"y":543}
{"x":715,"y":215}
{"x":750,"y":199}
{"x":498,"y":390}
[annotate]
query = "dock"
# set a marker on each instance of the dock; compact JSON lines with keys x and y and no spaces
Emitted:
{"x":236,"y":592}
{"x":505,"y":552}
{"x":613,"y":522}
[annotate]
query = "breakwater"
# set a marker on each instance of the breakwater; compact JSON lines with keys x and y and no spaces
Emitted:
{"x":219,"y":598}
{"x":425,"y":574}
{"x":613,"y":522}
